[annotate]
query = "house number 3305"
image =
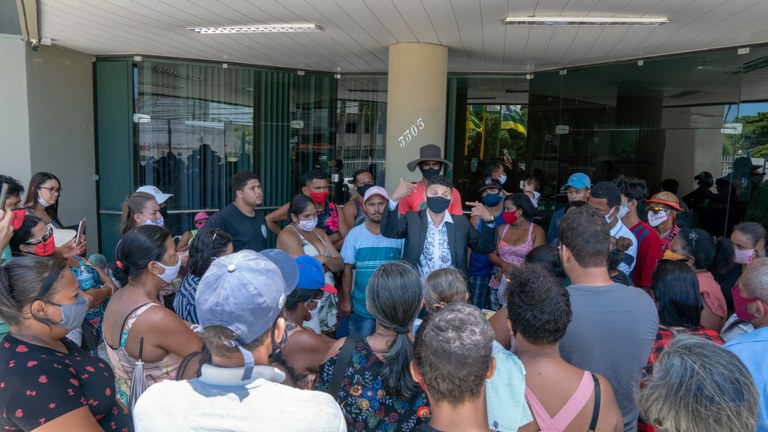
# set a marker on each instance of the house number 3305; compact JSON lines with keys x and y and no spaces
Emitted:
{"x":411,"y":133}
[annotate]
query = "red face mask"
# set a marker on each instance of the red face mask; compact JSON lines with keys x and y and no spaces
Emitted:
{"x":510,"y":217}
{"x":318,"y":197}
{"x":45,"y":248}
{"x":740,"y":304}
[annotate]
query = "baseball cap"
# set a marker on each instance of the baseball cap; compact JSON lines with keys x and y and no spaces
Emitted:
{"x":245,"y":292}
{"x":201,"y":215}
{"x":155,"y":192}
{"x":490,"y":183}
{"x":375,"y":190}
{"x":578,"y":181}
{"x":666,"y":198}
{"x":311,"y":276}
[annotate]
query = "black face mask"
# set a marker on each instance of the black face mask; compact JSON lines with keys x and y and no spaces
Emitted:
{"x":361,"y":190}
{"x":438,"y":204}
{"x":429,"y":173}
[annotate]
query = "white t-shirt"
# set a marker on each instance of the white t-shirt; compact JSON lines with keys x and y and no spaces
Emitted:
{"x":219,"y":401}
{"x":630,"y":256}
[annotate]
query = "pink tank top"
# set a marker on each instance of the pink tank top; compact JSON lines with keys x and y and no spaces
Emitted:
{"x":512,"y":254}
{"x":569,"y":411}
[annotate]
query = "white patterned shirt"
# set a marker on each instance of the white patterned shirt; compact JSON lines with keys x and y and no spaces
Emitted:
{"x":436,"y":253}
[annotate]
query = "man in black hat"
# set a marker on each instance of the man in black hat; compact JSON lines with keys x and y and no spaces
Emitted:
{"x":430,"y":163}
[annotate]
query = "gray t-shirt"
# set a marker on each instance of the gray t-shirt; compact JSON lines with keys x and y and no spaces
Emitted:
{"x":611,"y":333}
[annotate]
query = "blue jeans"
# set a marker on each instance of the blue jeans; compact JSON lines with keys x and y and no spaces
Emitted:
{"x":361,"y":327}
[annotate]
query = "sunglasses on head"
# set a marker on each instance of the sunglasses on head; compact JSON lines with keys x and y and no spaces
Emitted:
{"x":42,"y":238}
{"x":657,"y":209}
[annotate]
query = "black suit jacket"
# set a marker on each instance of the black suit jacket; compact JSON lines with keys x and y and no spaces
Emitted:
{"x":413,"y":228}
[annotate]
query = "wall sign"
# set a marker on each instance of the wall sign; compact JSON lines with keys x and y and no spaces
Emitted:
{"x":411,"y":133}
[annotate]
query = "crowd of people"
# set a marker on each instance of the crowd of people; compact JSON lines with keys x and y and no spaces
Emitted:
{"x":397,"y":311}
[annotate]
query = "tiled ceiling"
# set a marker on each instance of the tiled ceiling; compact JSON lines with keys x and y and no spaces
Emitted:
{"x":357,"y":32}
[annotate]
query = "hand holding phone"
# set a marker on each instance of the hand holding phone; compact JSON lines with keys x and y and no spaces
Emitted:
{"x":3,"y":195}
{"x":80,"y":232}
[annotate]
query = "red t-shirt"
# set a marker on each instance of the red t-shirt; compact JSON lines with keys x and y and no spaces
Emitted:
{"x":415,"y":201}
{"x":648,"y":254}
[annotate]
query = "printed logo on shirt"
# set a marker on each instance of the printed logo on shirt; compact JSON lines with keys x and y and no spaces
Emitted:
{"x":264,"y":231}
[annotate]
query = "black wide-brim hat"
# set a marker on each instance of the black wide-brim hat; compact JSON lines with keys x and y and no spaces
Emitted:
{"x":429,"y":152}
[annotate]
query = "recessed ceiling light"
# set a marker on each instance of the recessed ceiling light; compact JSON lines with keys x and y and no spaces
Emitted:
{"x":582,"y":21}
{"x":258,"y":28}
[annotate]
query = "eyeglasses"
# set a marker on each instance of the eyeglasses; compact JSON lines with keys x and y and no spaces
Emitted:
{"x":51,"y":189}
{"x":201,"y":222}
{"x":316,"y":301}
{"x":42,"y":238}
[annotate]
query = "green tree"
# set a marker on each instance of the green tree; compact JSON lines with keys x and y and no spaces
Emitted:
{"x":753,"y":138}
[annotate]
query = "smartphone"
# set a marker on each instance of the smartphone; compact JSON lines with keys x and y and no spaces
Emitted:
{"x":4,"y":195}
{"x":80,"y":231}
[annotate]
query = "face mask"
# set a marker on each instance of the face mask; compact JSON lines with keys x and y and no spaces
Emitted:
{"x":43,"y":202}
{"x":307,"y":225}
{"x":503,"y":179}
{"x":314,"y":312}
{"x":438,"y":204}
{"x":609,"y":217}
{"x":318,"y":197}
{"x":740,"y":304}
{"x":159,"y":222}
{"x":510,"y":217}
{"x":491,"y":200}
{"x":669,"y":255}
{"x":363,"y":189}
{"x":72,"y":315}
{"x":429,"y":173}
{"x":743,"y":256}
{"x":656,"y":219}
{"x":45,"y":248}
{"x":170,"y":272}
{"x":623,"y":210}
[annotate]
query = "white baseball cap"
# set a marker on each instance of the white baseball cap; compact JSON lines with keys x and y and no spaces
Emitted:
{"x":155,"y":192}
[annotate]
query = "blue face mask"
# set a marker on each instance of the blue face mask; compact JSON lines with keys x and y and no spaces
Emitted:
{"x":492,"y":200}
{"x":159,"y":222}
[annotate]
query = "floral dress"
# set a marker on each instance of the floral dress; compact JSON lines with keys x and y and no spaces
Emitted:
{"x":363,"y":400}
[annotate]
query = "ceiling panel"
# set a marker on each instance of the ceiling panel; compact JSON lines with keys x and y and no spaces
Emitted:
{"x":357,"y":32}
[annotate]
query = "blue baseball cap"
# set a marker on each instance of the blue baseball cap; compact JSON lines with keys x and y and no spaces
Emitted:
{"x":311,"y":275}
{"x":578,"y":181}
{"x":245,"y":292}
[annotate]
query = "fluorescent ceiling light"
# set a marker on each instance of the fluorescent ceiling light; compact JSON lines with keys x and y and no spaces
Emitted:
{"x":258,"y":28}
{"x":582,"y":21}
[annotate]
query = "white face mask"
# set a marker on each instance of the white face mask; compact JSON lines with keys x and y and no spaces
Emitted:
{"x":503,"y":179}
{"x":623,"y":210}
{"x":170,"y":273}
{"x":314,"y":312}
{"x":43,"y":202}
{"x":656,"y":219}
{"x":307,"y":225}
{"x":609,"y":217}
{"x":159,"y":222}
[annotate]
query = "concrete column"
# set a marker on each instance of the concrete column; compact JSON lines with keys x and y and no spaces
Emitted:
{"x":416,"y":104}
{"x":14,"y":112}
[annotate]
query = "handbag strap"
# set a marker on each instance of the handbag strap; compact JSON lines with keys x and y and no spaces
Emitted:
{"x":596,"y":409}
{"x":342,"y":361}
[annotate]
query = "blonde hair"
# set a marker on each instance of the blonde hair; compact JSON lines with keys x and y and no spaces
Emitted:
{"x":133,"y":204}
{"x":443,"y":287}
